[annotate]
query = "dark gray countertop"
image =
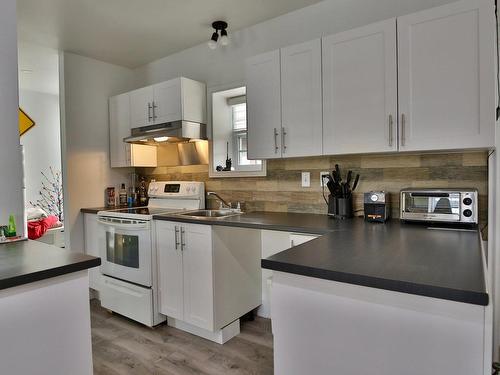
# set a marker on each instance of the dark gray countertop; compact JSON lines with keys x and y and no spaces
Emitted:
{"x":29,"y":261}
{"x":408,"y":258}
{"x":283,"y":221}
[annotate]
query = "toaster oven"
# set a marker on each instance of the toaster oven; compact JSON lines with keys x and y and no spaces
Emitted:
{"x":439,"y":205}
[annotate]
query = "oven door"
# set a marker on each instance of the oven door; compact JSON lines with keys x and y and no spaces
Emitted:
{"x":125,"y":249}
{"x":431,"y":206}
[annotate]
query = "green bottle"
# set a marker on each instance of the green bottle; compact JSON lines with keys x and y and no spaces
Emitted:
{"x":11,"y":228}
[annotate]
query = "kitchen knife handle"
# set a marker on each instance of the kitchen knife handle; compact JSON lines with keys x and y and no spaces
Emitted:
{"x":149,"y":112}
{"x":283,"y":135}
{"x":390,"y":130}
{"x":276,"y":141}
{"x":176,"y":237}
{"x":403,"y":129}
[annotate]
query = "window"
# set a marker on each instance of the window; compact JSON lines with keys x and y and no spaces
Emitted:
{"x":240,"y":135}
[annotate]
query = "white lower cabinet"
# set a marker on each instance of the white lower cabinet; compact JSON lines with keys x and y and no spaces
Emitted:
{"x":208,"y":276}
{"x":185,"y":272}
{"x":92,"y":248}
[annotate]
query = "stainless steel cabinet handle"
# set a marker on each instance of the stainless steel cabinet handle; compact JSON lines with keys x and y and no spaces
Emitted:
{"x":276,"y":141}
{"x":403,"y":129}
{"x":390,"y":130}
{"x":183,"y":239}
{"x":154,"y":111}
{"x":149,"y":112}
{"x":176,"y":237}
{"x":283,"y":135}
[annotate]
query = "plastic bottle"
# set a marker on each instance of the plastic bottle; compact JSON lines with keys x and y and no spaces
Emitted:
{"x":143,"y":193}
{"x":123,"y":196}
{"x":11,"y":228}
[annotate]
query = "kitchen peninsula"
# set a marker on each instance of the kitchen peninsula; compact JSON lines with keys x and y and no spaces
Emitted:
{"x":372,"y":295}
{"x":44,"y":308}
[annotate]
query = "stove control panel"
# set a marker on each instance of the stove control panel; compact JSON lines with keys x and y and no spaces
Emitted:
{"x":176,"y":189}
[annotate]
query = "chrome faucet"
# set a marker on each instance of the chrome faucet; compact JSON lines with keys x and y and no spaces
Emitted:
{"x":222,"y":201}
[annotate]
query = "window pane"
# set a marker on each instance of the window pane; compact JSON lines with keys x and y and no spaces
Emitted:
{"x":242,"y":142}
{"x":240,"y":116}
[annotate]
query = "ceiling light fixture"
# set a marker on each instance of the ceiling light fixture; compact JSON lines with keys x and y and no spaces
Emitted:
{"x":224,"y":39}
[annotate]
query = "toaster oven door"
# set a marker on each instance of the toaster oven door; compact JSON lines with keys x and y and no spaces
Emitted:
{"x":430,"y":206}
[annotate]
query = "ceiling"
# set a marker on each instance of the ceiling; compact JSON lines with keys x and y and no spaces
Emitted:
{"x":134,"y":32}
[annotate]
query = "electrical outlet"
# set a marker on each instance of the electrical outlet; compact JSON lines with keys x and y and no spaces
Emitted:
{"x":322,"y":180}
{"x":306,"y":179}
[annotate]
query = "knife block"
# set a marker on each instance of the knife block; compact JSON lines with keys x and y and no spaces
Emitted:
{"x":340,"y":208}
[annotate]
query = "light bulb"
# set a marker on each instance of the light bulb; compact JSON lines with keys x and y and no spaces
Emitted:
{"x":212,"y":44}
{"x":224,"y":40}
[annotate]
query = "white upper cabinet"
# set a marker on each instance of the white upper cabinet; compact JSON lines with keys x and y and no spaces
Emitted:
{"x":360,"y":90}
{"x":124,"y":154}
{"x":193,"y":100}
{"x":264,"y":106}
{"x":174,"y":100}
{"x":141,"y":107}
{"x":301,"y":132}
{"x":446,"y":77}
{"x":167,"y":101}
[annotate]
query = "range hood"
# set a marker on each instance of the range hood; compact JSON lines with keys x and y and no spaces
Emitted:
{"x":172,"y":132}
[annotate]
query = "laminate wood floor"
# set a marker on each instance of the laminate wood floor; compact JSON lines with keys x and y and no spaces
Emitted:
{"x":122,"y":347}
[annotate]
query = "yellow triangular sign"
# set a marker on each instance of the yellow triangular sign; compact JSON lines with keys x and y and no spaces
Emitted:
{"x":25,"y":122}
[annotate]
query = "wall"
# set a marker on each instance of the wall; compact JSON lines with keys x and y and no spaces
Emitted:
{"x":86,"y":86}
{"x":11,"y":180}
{"x":225,"y":65}
{"x":281,"y":189}
{"x":42,"y":143}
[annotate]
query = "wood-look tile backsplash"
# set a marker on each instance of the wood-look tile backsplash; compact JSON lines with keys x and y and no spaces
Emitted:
{"x":281,"y":189}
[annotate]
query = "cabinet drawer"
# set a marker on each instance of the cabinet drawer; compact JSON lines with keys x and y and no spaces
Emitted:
{"x":130,"y":300}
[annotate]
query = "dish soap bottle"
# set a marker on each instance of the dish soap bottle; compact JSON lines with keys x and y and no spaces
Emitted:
{"x":123,"y":196}
{"x":11,"y":228}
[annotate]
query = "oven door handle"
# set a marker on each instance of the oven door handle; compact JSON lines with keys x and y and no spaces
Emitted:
{"x":131,"y":226}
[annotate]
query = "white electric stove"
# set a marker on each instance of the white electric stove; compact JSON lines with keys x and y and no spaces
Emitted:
{"x":127,"y":252}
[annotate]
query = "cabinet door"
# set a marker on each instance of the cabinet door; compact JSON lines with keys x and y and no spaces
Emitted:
{"x":141,"y":107}
{"x":198,"y":275}
{"x":446,"y":77}
{"x":167,"y":101}
{"x":91,"y":229}
{"x":143,"y":156}
{"x":264,"y":105}
{"x":360,"y":90}
{"x":119,"y":128}
{"x":302,"y":123}
{"x":170,"y":273}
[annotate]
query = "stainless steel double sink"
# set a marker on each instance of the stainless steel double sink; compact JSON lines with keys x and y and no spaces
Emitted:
{"x":213,"y":214}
